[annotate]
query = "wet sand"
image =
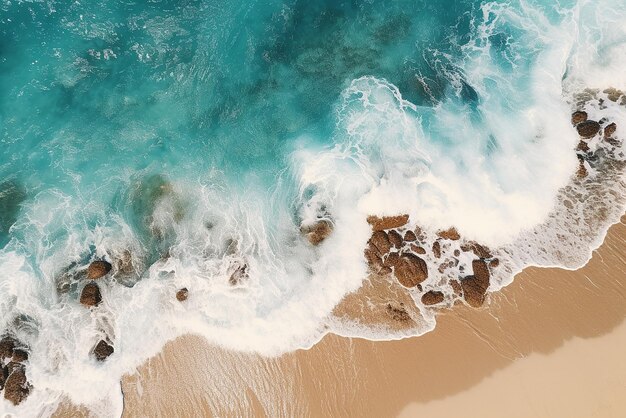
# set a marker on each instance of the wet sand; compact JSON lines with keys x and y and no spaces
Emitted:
{"x":550,"y":344}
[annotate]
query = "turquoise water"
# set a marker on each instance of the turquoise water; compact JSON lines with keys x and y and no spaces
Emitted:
{"x":200,"y":136}
{"x":94,"y":93}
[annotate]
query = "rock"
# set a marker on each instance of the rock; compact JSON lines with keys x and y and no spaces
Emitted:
{"x":432,"y":297}
{"x":582,"y":170}
{"x":457,"y":253}
{"x":479,"y":250}
{"x":418,"y":249}
{"x":98,"y":269}
{"x":613,"y":94}
{"x":399,"y":314}
{"x":7,"y":344}
{"x":578,"y":117}
{"x":588,"y":129}
{"x":102,"y":350}
{"x":380,"y":241}
{"x":317,"y":232}
{"x":582,"y":146}
{"x":475,"y":287}
{"x":609,"y":130}
{"x":494,"y":263}
{"x":124,"y":264}
{"x":387,"y":222}
{"x":239,"y":275}
{"x":19,"y":355}
{"x":410,"y":236}
{"x":456,"y":287}
{"x":410,"y":270}
{"x":481,"y":272}
{"x":437,"y":249}
{"x":16,"y":387}
{"x":375,"y":262}
{"x":90,"y":296}
{"x":395,"y":238}
{"x":182,"y":294}
{"x":450,"y":234}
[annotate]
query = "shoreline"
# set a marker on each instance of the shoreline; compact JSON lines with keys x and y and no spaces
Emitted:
{"x":520,"y":320}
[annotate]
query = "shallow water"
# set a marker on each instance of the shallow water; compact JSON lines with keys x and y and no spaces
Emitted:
{"x":193,"y":138}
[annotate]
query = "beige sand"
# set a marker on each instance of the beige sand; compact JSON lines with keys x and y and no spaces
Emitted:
{"x":549,"y":345}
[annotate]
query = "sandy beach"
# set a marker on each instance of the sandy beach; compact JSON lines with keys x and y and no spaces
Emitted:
{"x":550,"y":344}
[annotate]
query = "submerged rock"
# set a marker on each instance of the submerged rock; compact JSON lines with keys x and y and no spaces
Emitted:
{"x":409,"y":269}
{"x":90,"y":296}
{"x":182,"y":294}
{"x":19,"y":355}
{"x":387,"y":222}
{"x":398,"y":314}
{"x":578,"y":117}
{"x":437,"y":249}
{"x":239,"y":275}
{"x":588,"y":129}
{"x":613,"y":94}
{"x":98,"y":269}
{"x":102,"y":350}
{"x":432,"y":297}
{"x":16,"y":387}
{"x":317,"y":232}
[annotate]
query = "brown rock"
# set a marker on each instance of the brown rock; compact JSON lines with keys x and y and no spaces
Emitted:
{"x":588,"y":129}
{"x":410,"y":236}
{"x":481,"y":272}
{"x":578,"y":117}
{"x":395,"y":238}
{"x":432,"y":297}
{"x":19,"y":355}
{"x":456,"y":287}
{"x":399,"y":314}
{"x":380,"y":241}
{"x":582,"y":146}
{"x":16,"y":387}
{"x":475,"y":287}
{"x":7,"y":344}
{"x":317,"y":232}
{"x":98,"y":269}
{"x":102,"y":350}
{"x":494,"y":263}
{"x":90,"y":296}
{"x":582,"y":171}
{"x":457,"y":253}
{"x":417,"y":249}
{"x":450,"y":234}
{"x":387,"y":222}
{"x":609,"y":130}
{"x":480,"y":250}
{"x":437,"y":249}
{"x":410,"y":270}
{"x":182,"y":294}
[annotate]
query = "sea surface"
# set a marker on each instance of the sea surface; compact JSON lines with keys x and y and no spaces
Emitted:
{"x":189,"y":141}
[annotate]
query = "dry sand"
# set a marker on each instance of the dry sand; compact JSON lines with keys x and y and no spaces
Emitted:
{"x":552,"y":344}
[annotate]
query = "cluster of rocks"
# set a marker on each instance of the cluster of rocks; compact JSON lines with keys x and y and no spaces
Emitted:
{"x":396,"y":249}
{"x":13,"y":361}
{"x":91,"y":297}
{"x":594,"y":134}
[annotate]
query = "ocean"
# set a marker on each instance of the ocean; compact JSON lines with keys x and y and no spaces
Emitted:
{"x":195,"y":144}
